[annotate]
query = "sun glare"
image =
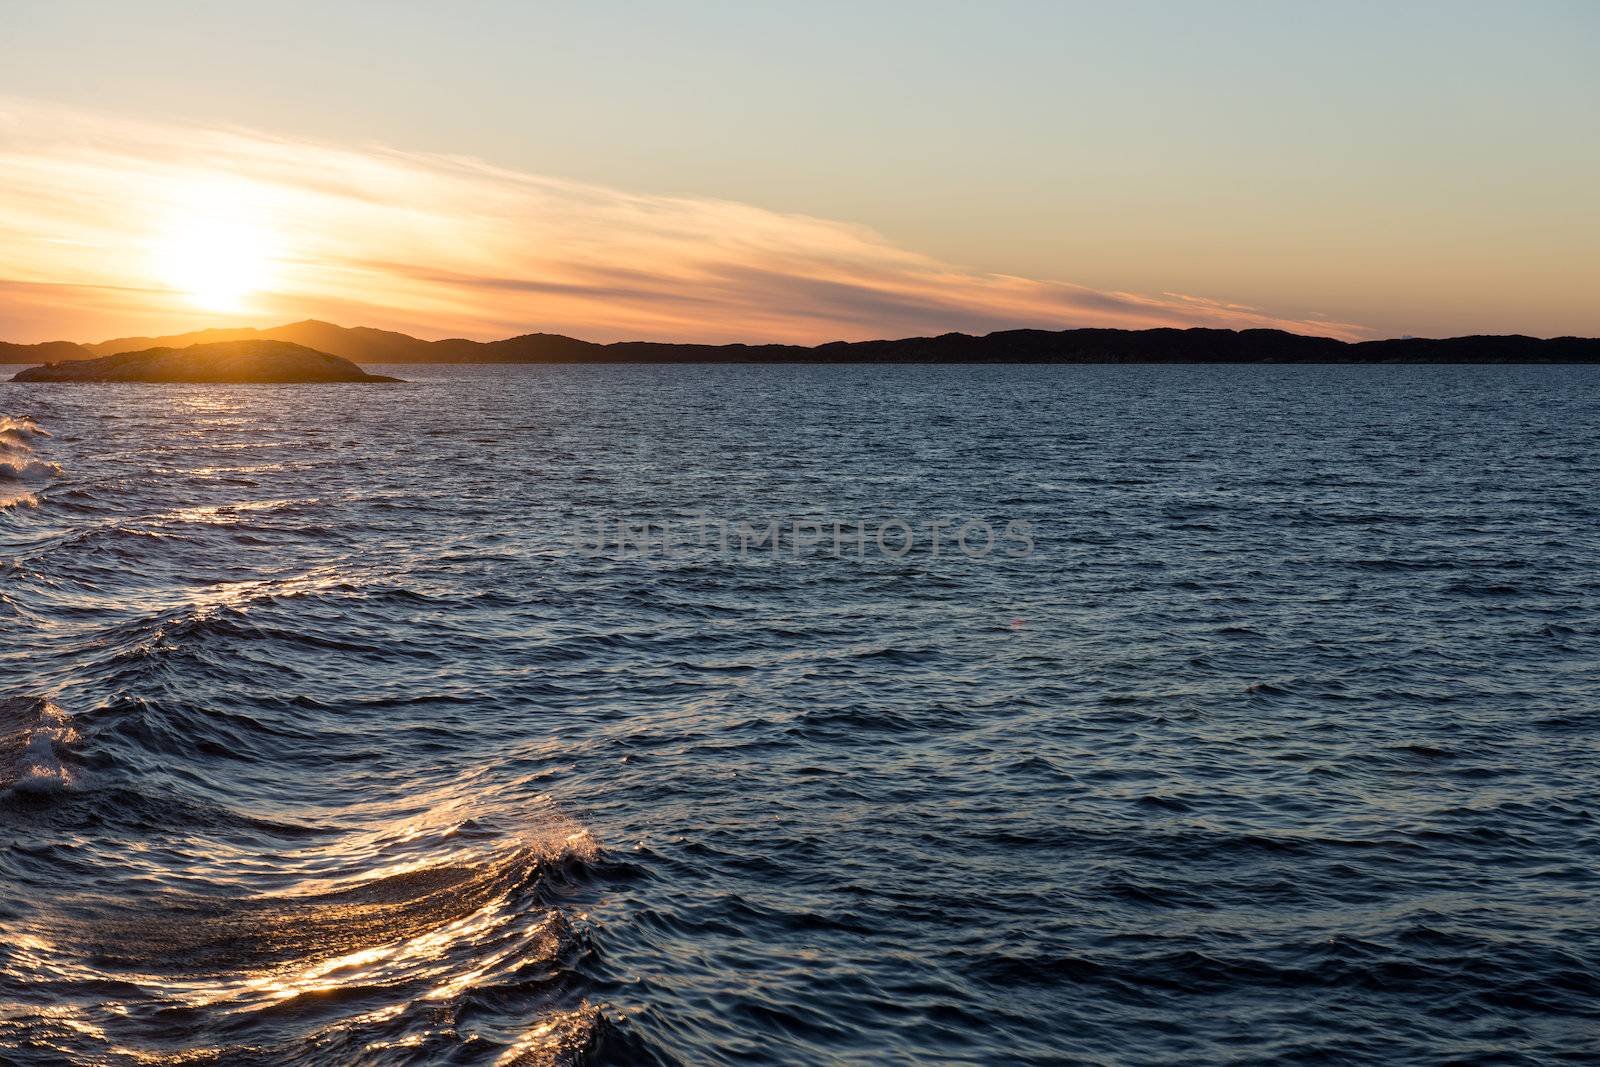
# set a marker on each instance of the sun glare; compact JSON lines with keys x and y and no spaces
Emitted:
{"x":218,"y":259}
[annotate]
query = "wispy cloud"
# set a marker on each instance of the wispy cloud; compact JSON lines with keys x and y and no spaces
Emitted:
{"x":443,"y":245}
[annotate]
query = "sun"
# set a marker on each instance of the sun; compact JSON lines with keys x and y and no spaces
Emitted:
{"x":217,"y":258}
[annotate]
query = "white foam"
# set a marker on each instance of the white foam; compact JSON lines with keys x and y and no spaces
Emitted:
{"x":38,"y":729}
{"x":22,"y":427}
{"x":19,"y":468}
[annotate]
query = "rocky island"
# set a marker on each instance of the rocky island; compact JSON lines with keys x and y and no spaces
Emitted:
{"x":221,"y":362}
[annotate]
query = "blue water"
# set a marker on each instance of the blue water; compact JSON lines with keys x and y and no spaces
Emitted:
{"x":324,"y":738}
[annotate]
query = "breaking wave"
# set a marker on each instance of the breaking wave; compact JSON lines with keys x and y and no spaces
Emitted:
{"x":33,"y":732}
{"x":20,"y":469}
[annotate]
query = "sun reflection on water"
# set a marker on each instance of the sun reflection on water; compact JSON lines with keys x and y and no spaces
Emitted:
{"x":400,"y":944}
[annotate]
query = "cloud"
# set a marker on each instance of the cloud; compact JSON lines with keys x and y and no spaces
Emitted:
{"x":92,"y":206}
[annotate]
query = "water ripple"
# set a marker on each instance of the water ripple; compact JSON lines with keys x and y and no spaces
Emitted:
{"x":320,"y":744}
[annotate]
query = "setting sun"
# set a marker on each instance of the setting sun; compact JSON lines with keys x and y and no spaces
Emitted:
{"x":217,"y":261}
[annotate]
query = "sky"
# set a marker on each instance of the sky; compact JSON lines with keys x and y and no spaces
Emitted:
{"x":799,"y":172}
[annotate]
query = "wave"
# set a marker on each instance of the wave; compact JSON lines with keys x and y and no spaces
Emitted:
{"x":373,"y":967}
{"x":19,"y":468}
{"x":32,"y":732}
{"x":23,"y":428}
{"x":291,"y":937}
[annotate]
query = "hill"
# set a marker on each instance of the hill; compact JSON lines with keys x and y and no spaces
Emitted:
{"x":249,"y":361}
{"x":359,"y":343}
{"x":41,"y":353}
{"x":1198,"y":345}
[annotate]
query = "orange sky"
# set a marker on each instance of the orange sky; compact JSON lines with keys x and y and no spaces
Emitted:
{"x":111,"y":226}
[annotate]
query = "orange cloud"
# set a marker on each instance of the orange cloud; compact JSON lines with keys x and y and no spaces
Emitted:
{"x":107,"y":223}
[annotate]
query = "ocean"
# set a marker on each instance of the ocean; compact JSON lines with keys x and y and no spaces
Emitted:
{"x":803,"y":715}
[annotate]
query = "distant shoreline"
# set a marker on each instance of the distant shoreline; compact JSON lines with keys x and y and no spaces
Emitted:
{"x":1197,"y":345}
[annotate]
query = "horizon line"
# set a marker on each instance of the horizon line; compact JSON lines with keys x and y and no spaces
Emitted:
{"x":315,"y":322}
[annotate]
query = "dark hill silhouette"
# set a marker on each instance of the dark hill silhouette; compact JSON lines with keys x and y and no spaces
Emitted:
{"x":360,"y":343}
{"x":41,"y":353}
{"x":247,"y":361}
{"x":1166,"y":345}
